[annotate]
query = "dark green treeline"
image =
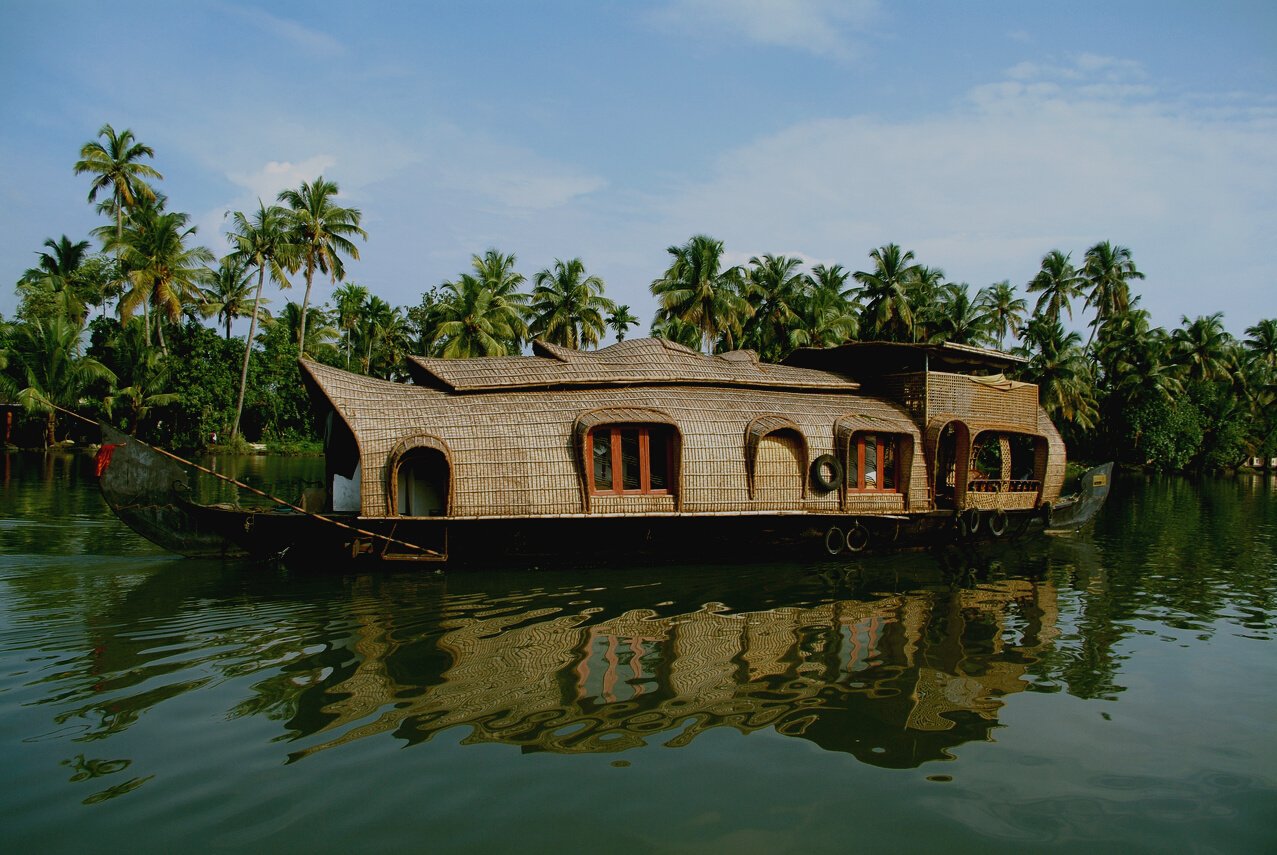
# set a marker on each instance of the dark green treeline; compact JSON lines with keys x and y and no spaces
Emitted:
{"x":143,"y":298}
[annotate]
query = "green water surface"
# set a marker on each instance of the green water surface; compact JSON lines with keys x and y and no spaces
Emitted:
{"x":1112,"y":691}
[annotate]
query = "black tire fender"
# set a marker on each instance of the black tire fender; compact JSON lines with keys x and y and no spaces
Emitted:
{"x":819,"y":466}
{"x":998,"y":523}
{"x":835,"y":540}
{"x":857,"y":538}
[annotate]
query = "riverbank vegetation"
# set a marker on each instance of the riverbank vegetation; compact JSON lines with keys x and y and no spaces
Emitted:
{"x":136,"y":328}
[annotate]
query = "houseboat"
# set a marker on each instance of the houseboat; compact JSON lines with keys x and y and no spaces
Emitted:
{"x":646,"y":449}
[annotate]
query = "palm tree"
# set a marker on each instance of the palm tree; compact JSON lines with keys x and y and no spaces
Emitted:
{"x":696,"y":290}
{"x":1136,"y":362}
{"x":261,"y":243}
{"x":676,"y":330}
{"x":227,"y":295}
{"x":49,"y":360}
{"x":350,"y":300}
{"x":927,"y":299}
{"x":1059,"y":283}
{"x":476,"y":321}
{"x":150,"y":374}
{"x":1261,"y":343}
{"x":1203,"y":347}
{"x":320,"y":333}
{"x":568,"y":307}
{"x":776,"y":289}
{"x":830,"y":313}
{"x":959,"y":319}
{"x":1004,"y":310}
{"x":1108,"y":271}
{"x":1057,"y":365}
{"x":620,"y":319}
{"x":383,"y":333}
{"x":57,"y":279}
{"x":118,"y":172}
{"x":118,"y":169}
{"x":888,"y":312}
{"x":163,"y":270}
{"x":322,"y":231}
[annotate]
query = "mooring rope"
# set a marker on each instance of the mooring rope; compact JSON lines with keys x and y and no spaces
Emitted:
{"x":254,"y":490}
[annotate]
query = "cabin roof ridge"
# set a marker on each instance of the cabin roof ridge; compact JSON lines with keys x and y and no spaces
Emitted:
{"x":630,"y":362}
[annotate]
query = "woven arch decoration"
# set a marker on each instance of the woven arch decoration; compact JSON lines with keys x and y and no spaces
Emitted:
{"x":622,"y":416}
{"x":761,"y":427}
{"x":396,"y":455}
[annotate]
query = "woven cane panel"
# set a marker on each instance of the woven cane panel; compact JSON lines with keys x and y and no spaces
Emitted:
{"x":875,"y":502}
{"x":515,"y":454}
{"x":780,"y":472}
{"x":968,"y":398}
{"x":1057,"y":457}
{"x":1005,"y":501}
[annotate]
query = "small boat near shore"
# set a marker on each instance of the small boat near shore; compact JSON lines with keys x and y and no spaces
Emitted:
{"x":641,"y":451}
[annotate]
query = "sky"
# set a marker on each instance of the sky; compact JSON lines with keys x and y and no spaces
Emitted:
{"x":980,"y":136}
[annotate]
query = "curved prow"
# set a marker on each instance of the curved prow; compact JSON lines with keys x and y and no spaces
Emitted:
{"x":1073,"y":512}
{"x":149,"y":494}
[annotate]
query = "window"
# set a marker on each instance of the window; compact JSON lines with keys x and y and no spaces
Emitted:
{"x":635,"y":459}
{"x":873,"y":462}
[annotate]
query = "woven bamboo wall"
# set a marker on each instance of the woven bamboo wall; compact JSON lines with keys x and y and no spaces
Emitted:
{"x":513,"y":453}
{"x":1057,"y":457}
{"x":969,"y":399}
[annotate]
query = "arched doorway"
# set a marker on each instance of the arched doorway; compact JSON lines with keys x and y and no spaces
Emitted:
{"x":421,"y":483}
{"x":780,"y":470}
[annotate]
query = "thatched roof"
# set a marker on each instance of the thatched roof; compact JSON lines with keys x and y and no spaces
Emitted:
{"x":646,"y":361}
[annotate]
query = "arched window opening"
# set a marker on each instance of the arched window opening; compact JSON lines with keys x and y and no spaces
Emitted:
{"x":874,"y":462}
{"x":421,"y":477}
{"x":1004,"y":462}
{"x":632,"y":459}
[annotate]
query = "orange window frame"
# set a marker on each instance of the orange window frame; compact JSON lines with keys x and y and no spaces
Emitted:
{"x":645,"y":460}
{"x":881,"y":440}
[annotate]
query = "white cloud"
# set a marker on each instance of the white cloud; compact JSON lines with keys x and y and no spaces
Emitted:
{"x":290,"y":31}
{"x":1014,"y":171}
{"x":266,"y":182}
{"x":822,"y":27}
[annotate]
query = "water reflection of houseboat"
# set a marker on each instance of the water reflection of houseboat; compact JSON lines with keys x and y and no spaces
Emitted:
{"x":895,"y":680}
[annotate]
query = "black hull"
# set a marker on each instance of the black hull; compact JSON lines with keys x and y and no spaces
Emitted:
{"x":149,"y":493}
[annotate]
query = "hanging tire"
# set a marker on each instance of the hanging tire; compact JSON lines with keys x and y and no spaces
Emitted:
{"x":835,"y":540}
{"x":857,"y":538}
{"x":971,"y":520}
{"x":826,"y":463}
{"x":998,"y":523}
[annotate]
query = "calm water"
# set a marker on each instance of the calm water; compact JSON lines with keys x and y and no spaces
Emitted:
{"x":1113,"y":691}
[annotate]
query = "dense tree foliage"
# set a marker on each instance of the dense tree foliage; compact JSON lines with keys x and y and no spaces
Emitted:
{"x":1188,"y":397}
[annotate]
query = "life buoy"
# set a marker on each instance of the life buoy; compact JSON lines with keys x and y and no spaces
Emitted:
{"x":826,"y":482}
{"x":834,"y":540}
{"x":998,"y":523}
{"x":857,"y":538}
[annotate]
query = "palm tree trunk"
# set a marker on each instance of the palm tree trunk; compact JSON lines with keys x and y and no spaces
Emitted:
{"x":301,"y":326}
{"x":248,"y":348}
{"x":159,"y":331}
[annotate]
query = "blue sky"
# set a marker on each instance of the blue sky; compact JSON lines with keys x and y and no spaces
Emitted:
{"x":979,"y":135}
